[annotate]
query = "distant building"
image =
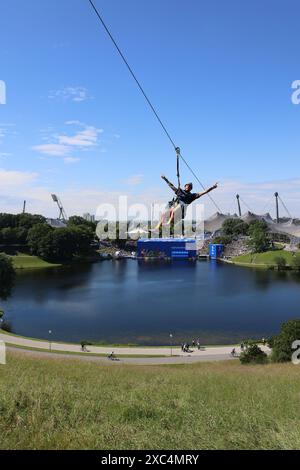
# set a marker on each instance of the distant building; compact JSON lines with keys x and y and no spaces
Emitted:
{"x":89,"y":217}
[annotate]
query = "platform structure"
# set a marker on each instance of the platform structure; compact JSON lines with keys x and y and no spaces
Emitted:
{"x":167,"y":248}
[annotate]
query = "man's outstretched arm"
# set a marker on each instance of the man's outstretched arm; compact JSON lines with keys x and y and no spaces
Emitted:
{"x":170,"y":184}
{"x":207,"y":191}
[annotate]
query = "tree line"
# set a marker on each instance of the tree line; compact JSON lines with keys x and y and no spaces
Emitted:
{"x":50,"y":244}
{"x":256,"y":230}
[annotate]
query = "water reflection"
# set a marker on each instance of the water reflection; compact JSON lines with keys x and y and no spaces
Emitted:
{"x":127,"y":301}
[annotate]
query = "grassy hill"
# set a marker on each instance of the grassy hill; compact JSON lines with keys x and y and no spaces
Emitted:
{"x":71,"y":404}
{"x":263,"y":259}
{"x":23,"y":261}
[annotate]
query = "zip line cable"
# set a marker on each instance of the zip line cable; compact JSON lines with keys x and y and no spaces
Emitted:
{"x":146,"y":97}
{"x":267,"y":205}
{"x":132,"y":73}
{"x":245,"y":204}
{"x":286,"y":209}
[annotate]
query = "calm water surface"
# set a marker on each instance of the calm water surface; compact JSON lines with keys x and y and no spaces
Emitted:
{"x":128,"y":302}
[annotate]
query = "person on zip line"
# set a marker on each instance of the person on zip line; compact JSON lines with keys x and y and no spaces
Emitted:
{"x":184,"y":197}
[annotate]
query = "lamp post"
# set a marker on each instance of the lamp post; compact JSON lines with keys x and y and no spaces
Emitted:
{"x":50,"y":345}
{"x":171,"y":344}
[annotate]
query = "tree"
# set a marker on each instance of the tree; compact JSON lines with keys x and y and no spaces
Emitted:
{"x":28,"y":220}
{"x":253,"y":355}
{"x":20,"y":235}
{"x":14,"y":228}
{"x":8,"y":236}
{"x":223,"y":240}
{"x":7,"y":276}
{"x":58,"y":245}
{"x":257,"y":225}
{"x":13,"y":235}
{"x":44,"y":247}
{"x":259,"y":240}
{"x":282,"y":343}
{"x":7,"y":220}
{"x":83,"y":237}
{"x":35,"y":236}
{"x":280,"y":262}
{"x":234,"y":227}
{"x":76,"y":220}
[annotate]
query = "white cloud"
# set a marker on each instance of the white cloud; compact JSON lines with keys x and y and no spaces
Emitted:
{"x":258,"y":197}
{"x":64,"y":144}
{"x":74,"y":123}
{"x":85,"y":138}
{"x":134,"y":180}
{"x":76,"y":94}
{"x":15,"y":186}
{"x":57,"y":150}
{"x":9,"y":178}
{"x":70,"y":160}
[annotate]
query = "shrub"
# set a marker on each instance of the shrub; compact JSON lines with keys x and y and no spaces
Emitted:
{"x":253,"y":355}
{"x":282,"y":343}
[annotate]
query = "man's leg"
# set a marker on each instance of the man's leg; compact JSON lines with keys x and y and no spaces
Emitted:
{"x":162,"y":220}
{"x":174,"y":212}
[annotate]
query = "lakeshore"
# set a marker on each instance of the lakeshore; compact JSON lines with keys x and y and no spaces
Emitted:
{"x":139,"y":355}
{"x":140,"y":303}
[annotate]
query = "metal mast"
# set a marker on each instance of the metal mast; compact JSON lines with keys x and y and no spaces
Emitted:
{"x":62,"y":214}
{"x":239,"y":205}
{"x":277,"y":206}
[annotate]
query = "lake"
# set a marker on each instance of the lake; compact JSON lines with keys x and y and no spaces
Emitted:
{"x":127,"y":301}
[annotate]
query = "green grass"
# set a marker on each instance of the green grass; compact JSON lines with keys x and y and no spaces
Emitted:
{"x":23,"y":261}
{"x":54,"y":404}
{"x":266,"y":259}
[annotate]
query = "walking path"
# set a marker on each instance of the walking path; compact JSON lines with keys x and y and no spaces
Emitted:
{"x":158,"y":355}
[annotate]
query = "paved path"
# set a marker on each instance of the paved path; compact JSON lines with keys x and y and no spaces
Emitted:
{"x":42,"y":348}
{"x":188,"y":359}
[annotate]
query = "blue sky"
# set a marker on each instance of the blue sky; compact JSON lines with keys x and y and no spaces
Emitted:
{"x":219,"y":73}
